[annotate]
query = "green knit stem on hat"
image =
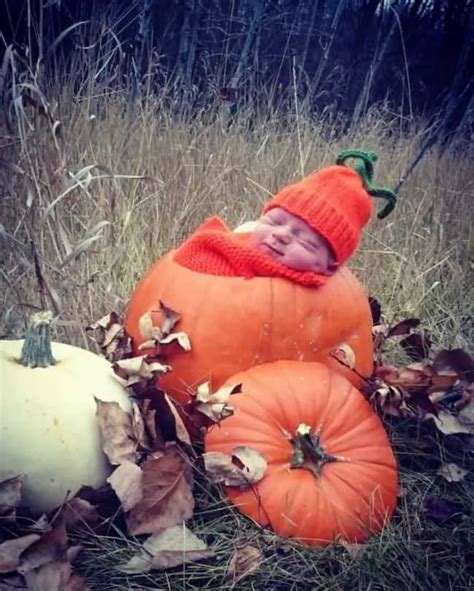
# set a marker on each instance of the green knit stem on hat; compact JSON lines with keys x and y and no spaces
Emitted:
{"x":364,"y":166}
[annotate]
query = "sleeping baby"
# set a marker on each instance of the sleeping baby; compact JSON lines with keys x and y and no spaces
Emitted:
{"x":305,"y":233}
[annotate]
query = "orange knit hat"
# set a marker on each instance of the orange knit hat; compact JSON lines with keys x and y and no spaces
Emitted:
{"x":335,"y":201}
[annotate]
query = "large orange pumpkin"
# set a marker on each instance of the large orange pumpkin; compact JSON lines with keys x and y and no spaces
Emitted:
{"x":234,"y":323}
{"x":337,"y":481}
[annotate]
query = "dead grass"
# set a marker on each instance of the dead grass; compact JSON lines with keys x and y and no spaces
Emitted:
{"x":96,"y":227}
{"x":413,"y":553}
{"x":416,"y":262}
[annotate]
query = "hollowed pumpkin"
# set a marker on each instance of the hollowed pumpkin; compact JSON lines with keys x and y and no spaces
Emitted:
{"x":331,"y":473}
{"x":234,"y":323}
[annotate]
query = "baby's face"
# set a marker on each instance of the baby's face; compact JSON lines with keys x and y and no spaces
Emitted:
{"x":290,"y":241}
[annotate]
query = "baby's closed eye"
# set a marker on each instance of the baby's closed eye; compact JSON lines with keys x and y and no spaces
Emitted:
{"x":308,"y":244}
{"x":274,"y":222}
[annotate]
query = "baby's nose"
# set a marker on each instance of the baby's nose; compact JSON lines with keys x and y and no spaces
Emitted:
{"x":281,"y":235}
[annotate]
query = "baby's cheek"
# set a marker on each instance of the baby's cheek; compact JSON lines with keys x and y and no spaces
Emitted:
{"x":318,"y":262}
{"x":256,"y":236}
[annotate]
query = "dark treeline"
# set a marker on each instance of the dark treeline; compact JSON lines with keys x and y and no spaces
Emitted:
{"x":338,"y":56}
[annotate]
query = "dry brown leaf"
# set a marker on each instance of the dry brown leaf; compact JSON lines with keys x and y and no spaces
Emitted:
{"x":76,"y":511}
{"x":390,"y":400}
{"x":168,"y":548}
{"x":110,"y":336}
{"x":139,"y":429}
{"x":49,"y":577}
{"x":146,"y":328}
{"x":44,"y":561}
{"x":110,"y":326}
{"x":155,"y":335}
{"x":73,"y":552}
{"x":127,"y":482}
{"x":151,"y":344}
{"x":449,"y":424}
{"x":393,"y":401}
{"x":416,"y":390}
{"x":179,"y":337}
{"x":167,"y":494}
{"x":245,"y":466}
{"x":149,"y":415}
{"x":117,"y":433}
{"x":215,"y":405}
{"x":443,"y":381}
{"x":162,"y":419}
{"x":379,"y":335}
{"x":55,"y":576}
{"x":10,"y":495}
{"x":76,"y":583}
{"x":458,"y":360}
{"x":418,"y":375}
{"x":403,"y":328}
{"x":345,"y":355}
{"x":103,"y":497}
{"x":170,"y":318}
{"x":156,"y":423}
{"x":244,"y":561}
{"x":420,"y":402}
{"x":181,"y":431}
{"x":452,"y":472}
{"x":150,"y":331}
{"x":413,"y":376}
{"x":138,"y":369}
{"x":11,"y":549}
{"x":51,"y":547}
{"x":376,"y":310}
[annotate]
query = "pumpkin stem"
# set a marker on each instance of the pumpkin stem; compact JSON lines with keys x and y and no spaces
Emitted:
{"x":308,"y":452}
{"x":36,"y":351}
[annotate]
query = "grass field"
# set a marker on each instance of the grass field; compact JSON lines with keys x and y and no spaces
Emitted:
{"x":105,"y":193}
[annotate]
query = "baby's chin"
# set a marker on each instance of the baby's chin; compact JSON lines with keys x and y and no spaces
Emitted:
{"x":312,"y":269}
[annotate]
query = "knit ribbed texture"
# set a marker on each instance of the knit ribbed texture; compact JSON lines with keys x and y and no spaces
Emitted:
{"x":334,"y":202}
{"x":215,"y":250}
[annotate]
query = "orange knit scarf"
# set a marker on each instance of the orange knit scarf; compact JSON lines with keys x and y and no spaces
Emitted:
{"x":215,"y":250}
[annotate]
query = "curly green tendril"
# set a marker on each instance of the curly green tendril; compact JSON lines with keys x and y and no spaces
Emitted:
{"x":364,"y":166}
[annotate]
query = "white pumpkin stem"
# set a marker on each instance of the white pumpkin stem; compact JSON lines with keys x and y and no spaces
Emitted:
{"x":308,"y":452}
{"x":36,"y":351}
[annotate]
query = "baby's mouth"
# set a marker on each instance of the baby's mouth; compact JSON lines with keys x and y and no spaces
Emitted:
{"x":272,"y":248}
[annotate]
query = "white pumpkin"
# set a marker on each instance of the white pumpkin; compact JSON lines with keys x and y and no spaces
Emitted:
{"x":48,"y":426}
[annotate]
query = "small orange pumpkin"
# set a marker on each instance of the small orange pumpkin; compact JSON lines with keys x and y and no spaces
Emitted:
{"x":234,"y":323}
{"x":331,"y":473}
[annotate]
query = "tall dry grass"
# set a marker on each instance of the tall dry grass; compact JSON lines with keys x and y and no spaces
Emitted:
{"x":103,"y":193}
{"x":92,"y":192}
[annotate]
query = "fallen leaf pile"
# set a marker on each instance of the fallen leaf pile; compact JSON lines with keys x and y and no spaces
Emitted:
{"x":109,"y":335}
{"x":437,"y":386}
{"x":39,"y":557}
{"x":155,"y":452}
{"x":153,"y":478}
{"x":153,"y":458}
